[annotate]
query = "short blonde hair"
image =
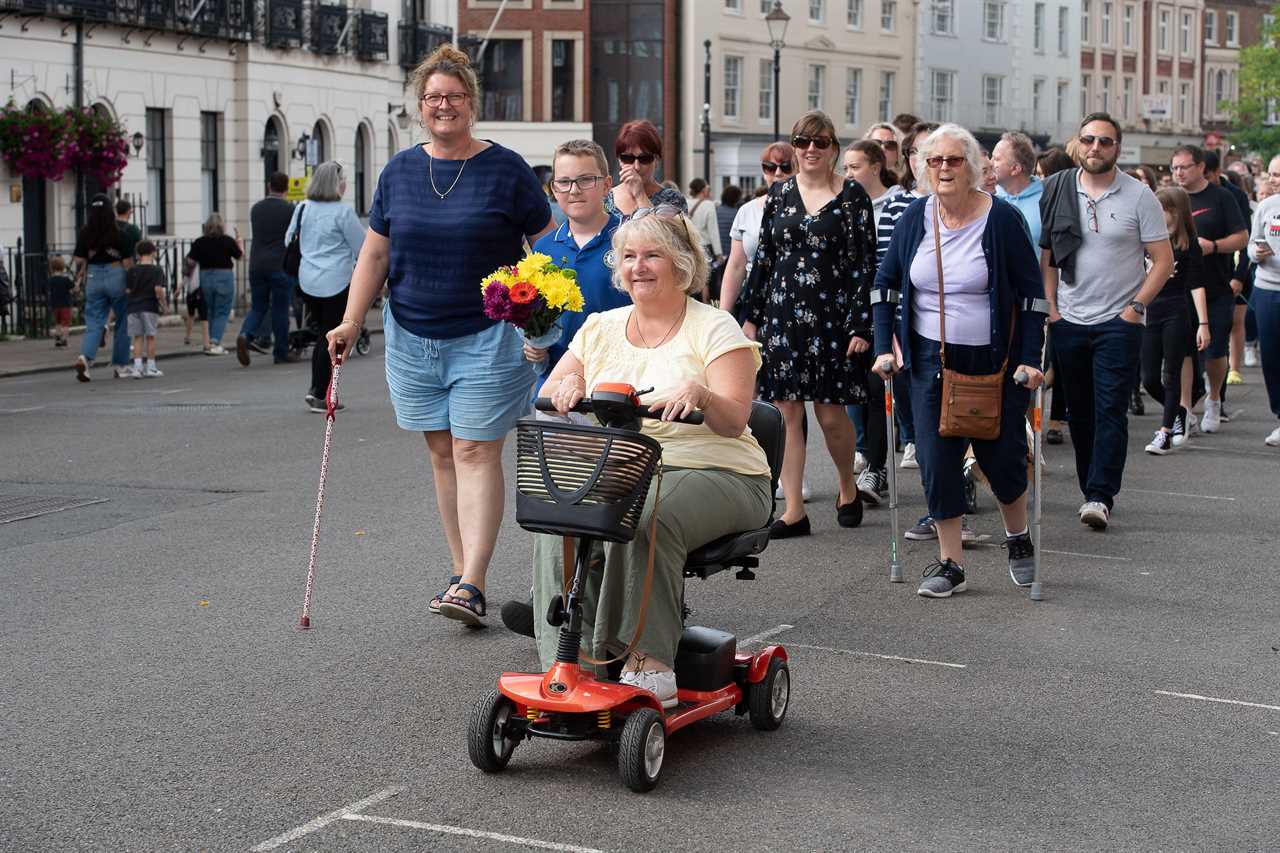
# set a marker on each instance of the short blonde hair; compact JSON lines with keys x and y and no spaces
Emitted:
{"x":972,"y":155}
{"x":582,"y":148}
{"x":447,"y":59}
{"x":215,"y":226}
{"x":677,"y":238}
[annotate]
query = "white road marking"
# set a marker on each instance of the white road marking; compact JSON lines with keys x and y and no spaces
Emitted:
{"x":1090,"y":556}
{"x":874,"y":655}
{"x":24,"y":409}
{"x":324,"y":820}
{"x":471,"y":833}
{"x":764,"y":635}
{"x":1178,"y":494}
{"x":174,"y":391}
{"x":1200,"y":698}
{"x":1233,"y":451}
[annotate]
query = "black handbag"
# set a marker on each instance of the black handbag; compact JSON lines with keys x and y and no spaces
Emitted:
{"x":293,"y":251}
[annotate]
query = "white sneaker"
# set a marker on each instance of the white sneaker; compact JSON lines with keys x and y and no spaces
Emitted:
{"x":1211,"y":420}
{"x":1193,"y":424}
{"x":1250,"y":355}
{"x":660,"y":684}
{"x":1273,"y":440}
{"x":125,"y":372}
{"x":153,"y":372}
{"x":909,"y":456}
{"x":859,"y":463}
{"x":805,"y":492}
{"x":1095,"y":514}
{"x":82,"y":368}
{"x":215,"y":349}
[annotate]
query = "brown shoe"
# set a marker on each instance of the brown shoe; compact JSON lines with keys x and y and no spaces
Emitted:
{"x":242,"y":350}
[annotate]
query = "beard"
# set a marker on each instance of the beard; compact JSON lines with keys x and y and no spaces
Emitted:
{"x":1098,"y":166}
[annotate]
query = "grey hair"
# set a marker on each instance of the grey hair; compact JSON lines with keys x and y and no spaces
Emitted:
{"x":884,"y":125}
{"x":326,"y":182}
{"x":972,"y":155}
{"x":215,"y":226}
{"x":677,"y":238}
{"x":1022,"y":149}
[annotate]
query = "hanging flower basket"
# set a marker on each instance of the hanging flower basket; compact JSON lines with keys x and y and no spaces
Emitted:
{"x":47,"y":144}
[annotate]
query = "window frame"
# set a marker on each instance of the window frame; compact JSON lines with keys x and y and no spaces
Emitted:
{"x":157,"y":122}
{"x":889,"y":16}
{"x":988,"y":8}
{"x":942,"y":109}
{"x":816,"y":95}
{"x":854,"y":21}
{"x":1038,"y":15}
{"x":735,"y":62}
{"x":210,"y":157}
{"x":852,"y":96}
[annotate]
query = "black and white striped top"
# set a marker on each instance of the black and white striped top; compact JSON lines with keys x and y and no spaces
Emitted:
{"x":888,"y":209}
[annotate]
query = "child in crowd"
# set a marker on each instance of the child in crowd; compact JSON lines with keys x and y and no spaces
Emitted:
{"x":60,"y":288}
{"x":146,"y":304}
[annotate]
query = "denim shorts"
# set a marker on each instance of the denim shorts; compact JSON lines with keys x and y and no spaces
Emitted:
{"x":1221,"y":318}
{"x":476,"y":386}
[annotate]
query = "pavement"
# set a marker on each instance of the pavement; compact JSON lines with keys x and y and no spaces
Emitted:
{"x":157,"y":695}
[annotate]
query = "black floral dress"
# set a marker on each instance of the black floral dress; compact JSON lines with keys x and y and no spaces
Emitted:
{"x":808,"y":293}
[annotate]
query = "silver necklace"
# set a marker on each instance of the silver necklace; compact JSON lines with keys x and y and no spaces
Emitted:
{"x":431,"y":174}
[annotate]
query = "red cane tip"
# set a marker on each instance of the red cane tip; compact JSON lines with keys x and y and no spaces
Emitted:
{"x":304,"y":623}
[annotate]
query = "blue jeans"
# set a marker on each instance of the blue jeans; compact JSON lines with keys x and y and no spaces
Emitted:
{"x":273,"y":292}
{"x":105,"y":291}
{"x":1266,"y":308}
{"x":1096,"y":365}
{"x":219,"y":288}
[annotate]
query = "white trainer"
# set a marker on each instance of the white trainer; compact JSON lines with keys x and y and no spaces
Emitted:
{"x":1251,"y":355}
{"x":153,"y":372}
{"x":859,"y":463}
{"x":1095,"y":514}
{"x":805,"y":492}
{"x":909,"y":456}
{"x":1273,"y":440}
{"x":1211,"y":420}
{"x":660,"y":684}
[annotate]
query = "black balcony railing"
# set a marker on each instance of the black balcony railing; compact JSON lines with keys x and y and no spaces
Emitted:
{"x":372,"y":35}
{"x":419,"y":39}
{"x":327,"y":24}
{"x":91,"y":10}
{"x":284,"y":23}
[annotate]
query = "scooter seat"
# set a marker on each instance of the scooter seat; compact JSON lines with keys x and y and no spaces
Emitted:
{"x":725,"y":551}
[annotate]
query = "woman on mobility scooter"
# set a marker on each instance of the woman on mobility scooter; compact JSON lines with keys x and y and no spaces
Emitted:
{"x":715,"y":475}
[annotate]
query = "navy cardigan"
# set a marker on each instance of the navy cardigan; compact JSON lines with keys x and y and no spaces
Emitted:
{"x":1012,"y":269}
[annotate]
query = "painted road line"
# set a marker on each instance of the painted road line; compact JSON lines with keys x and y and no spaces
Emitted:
{"x":1177,"y":494}
{"x":1197,"y":697}
{"x":471,"y":833}
{"x":881,"y":657}
{"x":20,"y":411}
{"x":1089,"y":556}
{"x":764,"y":635}
{"x":324,"y":820}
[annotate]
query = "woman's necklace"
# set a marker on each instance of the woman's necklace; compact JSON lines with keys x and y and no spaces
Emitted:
{"x":958,"y":218}
{"x":683,"y":308}
{"x":431,"y":173}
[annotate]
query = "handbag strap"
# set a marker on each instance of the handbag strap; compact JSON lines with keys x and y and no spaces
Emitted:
{"x":942,"y":298}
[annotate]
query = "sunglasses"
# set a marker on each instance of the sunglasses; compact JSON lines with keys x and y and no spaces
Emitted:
{"x":771,"y":167}
{"x":644,"y":159}
{"x":887,"y":144}
{"x":802,"y":142}
{"x":950,"y":162}
{"x":662,"y":211}
{"x":1103,"y":141}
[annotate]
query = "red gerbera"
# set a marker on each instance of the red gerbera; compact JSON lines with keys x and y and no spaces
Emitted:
{"x":522,"y":293}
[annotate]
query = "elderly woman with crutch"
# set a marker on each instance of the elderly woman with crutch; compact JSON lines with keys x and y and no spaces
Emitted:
{"x":972,"y":318}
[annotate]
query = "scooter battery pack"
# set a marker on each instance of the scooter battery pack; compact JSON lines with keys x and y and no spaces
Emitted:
{"x":705,"y":658}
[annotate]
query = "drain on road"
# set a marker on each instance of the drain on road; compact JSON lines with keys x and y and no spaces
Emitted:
{"x":20,"y":507}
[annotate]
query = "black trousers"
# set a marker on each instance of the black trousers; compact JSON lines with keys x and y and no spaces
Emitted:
{"x":1164,"y":346}
{"x":327,"y":311}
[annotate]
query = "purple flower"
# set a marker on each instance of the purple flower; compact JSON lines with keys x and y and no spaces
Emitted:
{"x":520,"y":314}
{"x":497,"y":301}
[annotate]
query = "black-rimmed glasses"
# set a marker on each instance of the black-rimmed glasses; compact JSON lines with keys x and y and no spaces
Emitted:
{"x":454,"y":98}
{"x":582,"y":183}
{"x":1092,"y":207}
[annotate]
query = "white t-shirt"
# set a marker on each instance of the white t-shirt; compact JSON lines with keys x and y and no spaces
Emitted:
{"x":706,"y":334}
{"x":746,"y":227}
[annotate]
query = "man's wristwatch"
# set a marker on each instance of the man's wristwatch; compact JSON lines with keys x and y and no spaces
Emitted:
{"x":1138,"y":308}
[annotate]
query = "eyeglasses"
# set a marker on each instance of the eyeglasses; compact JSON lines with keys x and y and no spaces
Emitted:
{"x":435,"y":99}
{"x":582,"y":183}
{"x":887,"y":144}
{"x":662,"y":211}
{"x":1103,"y":141}
{"x":628,"y":159}
{"x":951,"y":162}
{"x":1182,"y":167}
{"x":1093,"y":215}
{"x":772,"y":167}
{"x":802,"y":142}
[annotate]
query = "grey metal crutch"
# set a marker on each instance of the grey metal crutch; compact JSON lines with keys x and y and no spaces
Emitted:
{"x":1037,"y":441}
{"x":895,"y":567}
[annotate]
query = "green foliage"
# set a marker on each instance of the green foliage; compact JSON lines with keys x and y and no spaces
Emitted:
{"x":1259,"y":92}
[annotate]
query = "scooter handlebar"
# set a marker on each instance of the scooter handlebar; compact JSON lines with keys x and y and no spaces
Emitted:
{"x":585,"y":407}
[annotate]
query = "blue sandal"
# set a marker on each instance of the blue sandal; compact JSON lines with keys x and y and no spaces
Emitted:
{"x":470,"y":611}
{"x":434,"y":604}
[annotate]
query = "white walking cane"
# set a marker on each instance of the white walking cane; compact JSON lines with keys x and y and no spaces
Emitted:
{"x":331,"y":408}
{"x":1037,"y":440}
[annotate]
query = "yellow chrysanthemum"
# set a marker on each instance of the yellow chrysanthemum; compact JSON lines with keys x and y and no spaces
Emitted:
{"x":531,"y":264}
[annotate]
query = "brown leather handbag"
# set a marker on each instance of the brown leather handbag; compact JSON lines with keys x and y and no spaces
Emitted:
{"x":970,"y":404}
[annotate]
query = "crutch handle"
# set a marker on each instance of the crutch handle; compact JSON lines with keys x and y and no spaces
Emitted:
{"x":1021,"y":377}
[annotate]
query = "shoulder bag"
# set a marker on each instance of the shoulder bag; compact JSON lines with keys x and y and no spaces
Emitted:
{"x":293,"y":252}
{"x":970,"y":404}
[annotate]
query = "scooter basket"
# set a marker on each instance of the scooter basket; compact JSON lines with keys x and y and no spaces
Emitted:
{"x":578,"y":480}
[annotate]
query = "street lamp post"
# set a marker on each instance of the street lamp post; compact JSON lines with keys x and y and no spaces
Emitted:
{"x":706,"y":113}
{"x":777,"y":21}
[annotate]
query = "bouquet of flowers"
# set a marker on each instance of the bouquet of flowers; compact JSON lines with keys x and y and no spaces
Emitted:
{"x":531,"y":296}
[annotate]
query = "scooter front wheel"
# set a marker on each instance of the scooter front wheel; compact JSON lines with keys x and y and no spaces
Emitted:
{"x":489,"y":741}
{"x":768,"y":699}
{"x":641,"y":749}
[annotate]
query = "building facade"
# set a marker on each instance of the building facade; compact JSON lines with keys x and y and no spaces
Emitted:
{"x":997,"y":65}
{"x":849,"y":58}
{"x":1228,"y":28}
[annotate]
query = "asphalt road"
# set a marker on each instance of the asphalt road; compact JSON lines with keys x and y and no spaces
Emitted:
{"x":155,"y":695}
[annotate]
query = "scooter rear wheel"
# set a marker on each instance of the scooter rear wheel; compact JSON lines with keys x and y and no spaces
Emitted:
{"x":769,"y":697}
{"x":488,"y":743}
{"x":641,"y":749}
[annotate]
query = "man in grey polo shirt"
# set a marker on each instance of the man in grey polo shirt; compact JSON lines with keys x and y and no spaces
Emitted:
{"x":1099,"y":226}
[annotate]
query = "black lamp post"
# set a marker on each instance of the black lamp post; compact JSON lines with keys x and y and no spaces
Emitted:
{"x":706,"y":113}
{"x":777,"y":21}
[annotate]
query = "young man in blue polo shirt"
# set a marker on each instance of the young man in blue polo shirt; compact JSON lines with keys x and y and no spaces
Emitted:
{"x":584,"y":241}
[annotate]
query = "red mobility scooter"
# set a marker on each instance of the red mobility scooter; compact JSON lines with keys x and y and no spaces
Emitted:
{"x":591,"y":482}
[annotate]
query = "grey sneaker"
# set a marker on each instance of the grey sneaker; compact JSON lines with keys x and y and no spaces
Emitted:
{"x":923,"y":530}
{"x":1022,"y":558}
{"x":941,"y":578}
{"x":1095,"y":514}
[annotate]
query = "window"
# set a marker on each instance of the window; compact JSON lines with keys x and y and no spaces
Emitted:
{"x":1162,"y":29}
{"x":888,"y":15}
{"x":733,"y":6}
{"x":765,"y":6}
{"x":1086,"y":36}
{"x":1184,"y":102}
{"x":1037,"y":101}
{"x":766,"y":89}
{"x":817,"y":11}
{"x":941,"y":94}
{"x":1106,"y":24}
{"x":157,"y":170}
{"x":1210,"y":26}
{"x":1060,"y":106}
{"x":1085,"y":85}
{"x":208,"y":163}
{"x":319,"y":145}
{"x":817,"y":81}
{"x":361,"y":170}
{"x":1184,"y":35}
{"x":562,"y":74}
{"x":1126,"y":104}
{"x":1064,"y":15}
{"x":1219,"y":90}
{"x":993,"y":20}
{"x":503,"y":73}
{"x":854,"y":14}
{"x":1233,"y":29}
{"x":852,"y":93}
{"x":1126,"y":26}
{"x":271,"y":149}
{"x":992,"y":96}
{"x":886,"y":96}
{"x":1106,"y":94}
{"x":1038,"y":28}
{"x":732,"y":86}
{"x":944,"y":17}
